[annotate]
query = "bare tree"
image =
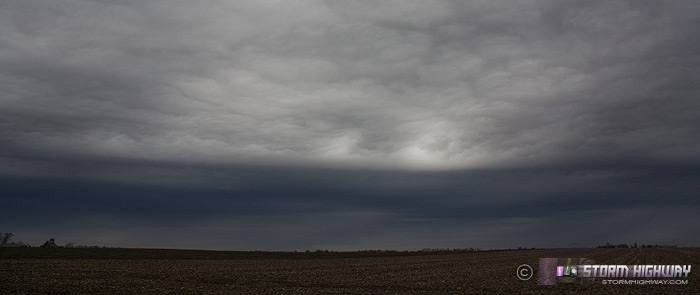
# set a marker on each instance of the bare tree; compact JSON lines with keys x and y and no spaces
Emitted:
{"x":5,"y":238}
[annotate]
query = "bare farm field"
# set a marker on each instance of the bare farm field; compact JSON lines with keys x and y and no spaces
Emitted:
{"x":151,"y":271}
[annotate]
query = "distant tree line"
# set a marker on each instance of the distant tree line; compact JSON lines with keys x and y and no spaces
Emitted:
{"x":73,"y":245}
{"x":398,"y":251}
{"x":449,"y":250}
{"x":608,"y":245}
{"x":6,"y":241}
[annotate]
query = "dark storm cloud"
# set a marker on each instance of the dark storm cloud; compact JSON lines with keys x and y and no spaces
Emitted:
{"x":348,"y":123}
{"x":293,"y":208}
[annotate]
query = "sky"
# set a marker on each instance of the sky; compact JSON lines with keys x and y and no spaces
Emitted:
{"x":348,"y":125}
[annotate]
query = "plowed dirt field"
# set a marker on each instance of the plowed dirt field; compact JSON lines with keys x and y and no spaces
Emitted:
{"x":139,"y":271}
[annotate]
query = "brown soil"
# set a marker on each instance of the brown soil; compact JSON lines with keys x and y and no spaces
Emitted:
{"x":128,"y":271}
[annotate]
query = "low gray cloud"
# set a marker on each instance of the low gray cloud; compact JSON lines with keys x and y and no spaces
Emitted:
{"x":421,"y":85}
{"x":409,"y":110}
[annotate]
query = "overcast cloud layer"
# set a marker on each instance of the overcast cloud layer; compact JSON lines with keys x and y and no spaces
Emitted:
{"x":350,"y":124}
